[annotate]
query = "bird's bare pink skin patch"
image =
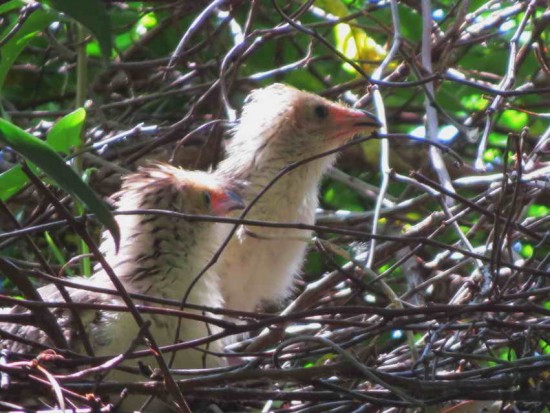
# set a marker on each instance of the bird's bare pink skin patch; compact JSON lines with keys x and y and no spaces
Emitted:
{"x":223,"y":202}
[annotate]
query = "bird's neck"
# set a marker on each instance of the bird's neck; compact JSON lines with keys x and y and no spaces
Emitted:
{"x":260,"y":164}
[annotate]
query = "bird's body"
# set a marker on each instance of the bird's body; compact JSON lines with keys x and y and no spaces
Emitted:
{"x":159,"y":256}
{"x":279,"y":126}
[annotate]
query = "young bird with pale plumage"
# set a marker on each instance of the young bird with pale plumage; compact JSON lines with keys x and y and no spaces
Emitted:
{"x":279,"y":125}
{"x":159,"y":256}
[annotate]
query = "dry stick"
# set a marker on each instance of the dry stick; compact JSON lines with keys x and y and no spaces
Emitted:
{"x":367,"y":371}
{"x":493,"y":91}
{"x":170,"y":383}
{"x":193,"y":27}
{"x":33,"y":304}
{"x":506,"y":83}
{"x":514,"y":203}
{"x":315,"y":35}
{"x":519,"y":227}
{"x":314,"y":290}
{"x":142,"y":297}
{"x":381,"y":114}
{"x":45,"y":319}
{"x":270,"y":224}
{"x":385,"y":163}
{"x":431,"y":113}
{"x":64,"y":293}
{"x":24,"y":14}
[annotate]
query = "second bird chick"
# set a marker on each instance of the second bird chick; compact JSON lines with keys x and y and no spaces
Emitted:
{"x":159,"y":256}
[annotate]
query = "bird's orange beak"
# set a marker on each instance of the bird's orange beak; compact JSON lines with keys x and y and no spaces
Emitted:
{"x":351,"y":121}
{"x":223,"y":202}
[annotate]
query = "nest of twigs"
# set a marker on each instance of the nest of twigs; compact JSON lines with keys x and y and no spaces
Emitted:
{"x":426,"y":281}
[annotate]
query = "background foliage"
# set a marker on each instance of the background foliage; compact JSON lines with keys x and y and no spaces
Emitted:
{"x":430,"y":290}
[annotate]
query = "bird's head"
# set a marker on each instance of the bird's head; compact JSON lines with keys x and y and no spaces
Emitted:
{"x":163,"y":186}
{"x":206,"y":195}
{"x":299,"y":123}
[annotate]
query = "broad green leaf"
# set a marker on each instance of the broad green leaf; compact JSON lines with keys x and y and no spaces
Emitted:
{"x":11,"y":5}
{"x":62,"y":136}
{"x":33,"y":26}
{"x":66,"y":132}
{"x":91,"y":14}
{"x":513,"y":119}
{"x":147,"y":22}
{"x":40,"y":153}
{"x":538,"y":211}
{"x":11,"y":182}
{"x":411,"y":23}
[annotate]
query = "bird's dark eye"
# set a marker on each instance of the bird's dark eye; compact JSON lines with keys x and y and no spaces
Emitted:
{"x":206,"y":196}
{"x":321,"y":111}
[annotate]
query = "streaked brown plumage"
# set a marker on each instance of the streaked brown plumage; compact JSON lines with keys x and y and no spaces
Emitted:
{"x":158,"y":256}
{"x":279,"y":125}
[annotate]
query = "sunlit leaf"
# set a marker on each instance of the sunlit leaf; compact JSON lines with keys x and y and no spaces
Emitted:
{"x":65,"y":134}
{"x":538,"y":211}
{"x":527,"y":251}
{"x":513,"y":119}
{"x":11,"y":182}
{"x":492,"y":155}
{"x":146,"y":23}
{"x":48,"y":160}
{"x":351,"y":41}
{"x":497,"y":139}
{"x":62,"y":136}
{"x":474,"y":102}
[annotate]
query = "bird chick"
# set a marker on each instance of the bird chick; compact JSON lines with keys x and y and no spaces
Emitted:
{"x":279,"y":125}
{"x":159,"y":256}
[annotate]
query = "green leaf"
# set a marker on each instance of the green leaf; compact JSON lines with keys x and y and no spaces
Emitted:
{"x":498,"y":140}
{"x":62,"y":136}
{"x":91,"y":14}
{"x":32,"y":27}
{"x":474,"y":102}
{"x":40,"y":153}
{"x":527,"y":250}
{"x":411,"y":23}
{"x":538,"y":211}
{"x":57,"y":254}
{"x":340,"y":196}
{"x":11,"y":182}
{"x":66,"y":132}
{"x":11,"y":5}
{"x":513,"y":119}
